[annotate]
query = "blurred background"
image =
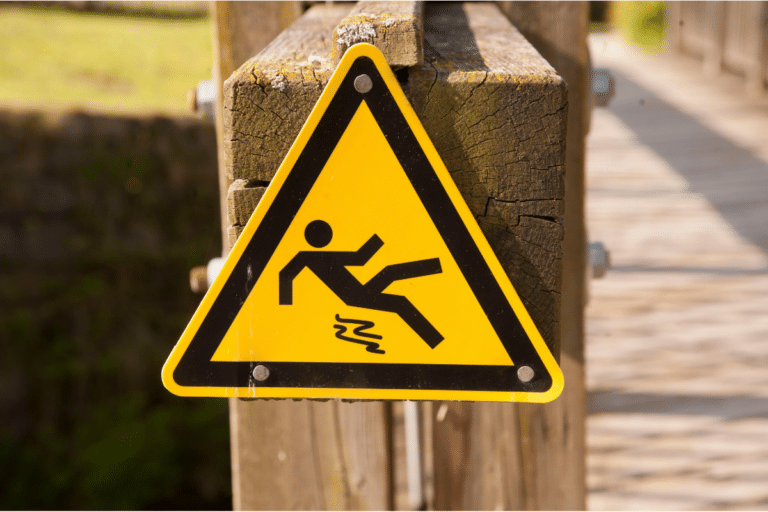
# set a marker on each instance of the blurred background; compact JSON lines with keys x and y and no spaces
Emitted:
{"x":677,"y":189}
{"x":109,"y":196}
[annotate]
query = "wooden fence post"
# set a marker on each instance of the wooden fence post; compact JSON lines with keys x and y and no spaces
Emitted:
{"x":714,"y":49}
{"x":240,"y":31}
{"x":731,"y":37}
{"x":558,"y":30}
{"x":532,"y":456}
{"x":672,"y":28}
{"x":286,"y":454}
{"x":757,"y":50}
{"x":496,"y":112}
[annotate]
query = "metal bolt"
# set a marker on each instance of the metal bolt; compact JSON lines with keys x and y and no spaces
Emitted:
{"x":198,"y":279}
{"x":525,"y":373}
{"x":363,"y":84}
{"x":201,"y":278}
{"x":441,"y":412}
{"x":260,"y":373}
{"x":202,"y":99}
{"x":603,"y":87}
{"x":599,"y":259}
{"x":192,"y":100}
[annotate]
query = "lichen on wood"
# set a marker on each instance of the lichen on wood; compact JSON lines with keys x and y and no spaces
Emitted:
{"x":395,"y":28}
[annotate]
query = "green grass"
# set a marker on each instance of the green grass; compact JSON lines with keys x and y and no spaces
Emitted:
{"x":642,"y":22}
{"x":101,"y":61}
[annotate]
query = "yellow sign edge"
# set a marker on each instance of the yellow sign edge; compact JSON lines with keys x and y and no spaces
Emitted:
{"x":370,"y":51}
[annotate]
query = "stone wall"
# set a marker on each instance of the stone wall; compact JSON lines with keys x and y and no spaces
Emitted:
{"x":101,"y":219}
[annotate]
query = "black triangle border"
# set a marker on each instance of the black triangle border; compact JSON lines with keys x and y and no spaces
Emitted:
{"x":195,"y":367}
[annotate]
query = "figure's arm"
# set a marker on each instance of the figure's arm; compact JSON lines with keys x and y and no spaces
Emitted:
{"x":365,"y":253}
{"x":286,"y":277}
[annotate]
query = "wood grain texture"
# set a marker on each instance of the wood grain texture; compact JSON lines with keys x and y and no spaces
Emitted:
{"x":242,"y":199}
{"x":531,"y":456}
{"x":714,"y":50}
{"x":268,"y":99}
{"x":307,"y":455}
{"x":395,"y":28}
{"x":496,"y":112}
{"x":240,"y":30}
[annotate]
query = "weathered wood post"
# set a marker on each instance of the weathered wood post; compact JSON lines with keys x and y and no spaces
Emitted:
{"x":496,"y":112}
{"x":240,"y":31}
{"x":528,"y":456}
{"x":286,"y":454}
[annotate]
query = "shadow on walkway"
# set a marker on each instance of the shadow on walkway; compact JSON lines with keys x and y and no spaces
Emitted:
{"x":732,"y":178}
{"x":716,"y":271}
{"x":729,"y":407}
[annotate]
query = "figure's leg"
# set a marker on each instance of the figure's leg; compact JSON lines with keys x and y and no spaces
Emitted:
{"x":410,"y":315}
{"x":401,"y":271}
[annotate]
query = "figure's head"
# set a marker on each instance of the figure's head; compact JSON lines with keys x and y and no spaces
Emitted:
{"x":318,"y":233}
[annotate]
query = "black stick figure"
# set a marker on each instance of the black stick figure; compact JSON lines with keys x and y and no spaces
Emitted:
{"x":330,"y":268}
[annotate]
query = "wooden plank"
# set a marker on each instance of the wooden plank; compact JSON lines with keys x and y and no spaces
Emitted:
{"x":286,"y":454}
{"x":757,"y":49}
{"x":311,"y":455}
{"x":714,"y":49}
{"x":242,"y":199}
{"x":694,"y":28}
{"x":554,"y":434}
{"x":395,"y":28}
{"x":673,"y":25}
{"x":763,"y":48}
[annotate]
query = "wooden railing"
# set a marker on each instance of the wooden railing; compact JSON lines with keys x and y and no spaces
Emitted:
{"x":728,"y":37}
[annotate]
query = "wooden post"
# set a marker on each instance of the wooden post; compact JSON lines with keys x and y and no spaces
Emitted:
{"x":496,"y":112}
{"x":285,"y":454}
{"x":530,"y":456}
{"x":757,"y":50}
{"x":673,"y":25}
{"x":395,"y":28}
{"x":240,"y":31}
{"x":714,"y":49}
{"x":557,"y":444}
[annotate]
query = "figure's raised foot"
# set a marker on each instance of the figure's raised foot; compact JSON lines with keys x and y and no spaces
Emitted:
{"x":402,"y":271}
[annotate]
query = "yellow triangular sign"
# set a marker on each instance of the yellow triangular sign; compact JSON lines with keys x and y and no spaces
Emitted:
{"x":362,"y":273}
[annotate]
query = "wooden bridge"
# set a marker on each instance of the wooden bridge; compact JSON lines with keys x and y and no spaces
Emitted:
{"x":677,"y":332}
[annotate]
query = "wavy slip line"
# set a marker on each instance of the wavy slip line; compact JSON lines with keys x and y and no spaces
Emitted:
{"x":363,"y":325}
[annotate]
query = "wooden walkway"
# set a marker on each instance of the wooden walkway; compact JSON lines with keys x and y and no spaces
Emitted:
{"x":677,"y":341}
